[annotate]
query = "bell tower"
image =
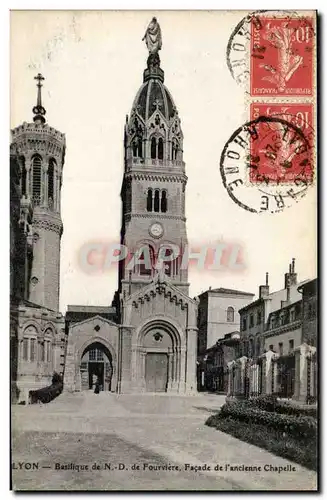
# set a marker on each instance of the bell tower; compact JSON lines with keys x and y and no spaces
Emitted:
{"x":40,"y":150}
{"x":153,"y":188}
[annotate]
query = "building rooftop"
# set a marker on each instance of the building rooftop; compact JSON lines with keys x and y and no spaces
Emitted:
{"x":308,"y":283}
{"x":228,"y":291}
{"x":275,"y":298}
{"x":18,"y":301}
{"x":91,"y":309}
{"x":251,"y":304}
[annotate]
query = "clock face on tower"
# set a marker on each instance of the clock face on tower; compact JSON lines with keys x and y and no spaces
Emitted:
{"x":156,"y":230}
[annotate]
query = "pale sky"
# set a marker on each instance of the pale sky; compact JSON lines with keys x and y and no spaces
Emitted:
{"x":93,"y":63}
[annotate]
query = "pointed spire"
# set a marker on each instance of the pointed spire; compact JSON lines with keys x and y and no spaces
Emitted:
{"x":39,"y":110}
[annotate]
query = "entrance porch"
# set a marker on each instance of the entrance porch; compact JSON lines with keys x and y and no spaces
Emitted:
{"x":96,"y":364}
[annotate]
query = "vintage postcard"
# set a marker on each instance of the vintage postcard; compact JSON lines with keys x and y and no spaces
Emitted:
{"x":163,"y":230}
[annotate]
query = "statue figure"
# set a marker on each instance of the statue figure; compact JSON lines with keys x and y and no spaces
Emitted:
{"x":152,"y":37}
{"x":161,"y":274}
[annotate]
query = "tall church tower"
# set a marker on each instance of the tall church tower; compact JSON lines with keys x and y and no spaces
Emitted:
{"x":153,"y":189}
{"x":40,"y":150}
{"x":152,"y":346}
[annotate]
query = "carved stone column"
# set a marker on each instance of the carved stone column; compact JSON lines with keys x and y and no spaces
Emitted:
{"x":175,"y":369}
{"x":44,"y":183}
{"x":141,"y":381}
{"x":70,"y":369}
{"x":242,"y":374}
{"x":312,"y":367}
{"x":301,"y":371}
{"x":181,"y":369}
{"x":252,"y":379}
{"x":125,"y":357}
{"x":190,"y":382}
{"x":55,"y":194}
{"x":231,"y":374}
{"x":58,"y":185}
{"x":170,"y":370}
{"x":267,"y":360}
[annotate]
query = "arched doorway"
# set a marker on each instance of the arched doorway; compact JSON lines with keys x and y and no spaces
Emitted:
{"x":160,"y":358}
{"x":96,"y":363}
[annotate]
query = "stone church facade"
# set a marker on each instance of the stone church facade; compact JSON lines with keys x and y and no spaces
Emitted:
{"x":146,"y":340}
{"x":152,"y":345}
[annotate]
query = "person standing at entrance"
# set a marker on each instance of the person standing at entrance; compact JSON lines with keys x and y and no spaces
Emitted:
{"x":97,"y":386}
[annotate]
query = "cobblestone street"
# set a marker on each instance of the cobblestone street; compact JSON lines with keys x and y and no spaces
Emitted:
{"x":138,"y":442}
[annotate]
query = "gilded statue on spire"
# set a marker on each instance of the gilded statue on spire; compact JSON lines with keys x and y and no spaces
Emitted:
{"x":153,"y":37}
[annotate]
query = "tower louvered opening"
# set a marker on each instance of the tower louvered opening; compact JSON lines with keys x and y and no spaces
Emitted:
{"x":36,"y":188}
{"x":51,"y":170}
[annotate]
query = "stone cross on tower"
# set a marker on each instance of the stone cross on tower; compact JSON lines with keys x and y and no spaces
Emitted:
{"x":39,"y":110}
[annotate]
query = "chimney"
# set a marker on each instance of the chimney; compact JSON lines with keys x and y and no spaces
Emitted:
{"x":264,"y":289}
{"x":293,"y":275}
{"x":286,"y":302}
{"x":287,"y":277}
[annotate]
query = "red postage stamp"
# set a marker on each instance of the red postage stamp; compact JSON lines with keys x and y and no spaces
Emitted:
{"x":282,"y":55}
{"x":283,"y":152}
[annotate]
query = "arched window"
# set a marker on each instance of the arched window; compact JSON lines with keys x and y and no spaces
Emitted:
{"x":171,"y":266}
{"x":168,"y":264}
{"x":149,"y":201}
{"x":160,"y":149}
{"x":33,"y":350}
{"x":41,"y":351}
{"x":29,"y":344}
{"x":47,"y":346}
{"x":163,"y":201}
{"x":51,"y":171}
{"x":36,"y":169}
{"x":29,"y":349}
{"x":139,"y":147}
{"x":174,"y":149}
{"x":95,"y":355}
{"x":23,"y":176}
{"x":153,"y":148}
{"x":49,"y":351}
{"x":25,"y":348}
{"x":156,"y":200}
{"x":230,"y":314}
{"x":147,"y":258}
